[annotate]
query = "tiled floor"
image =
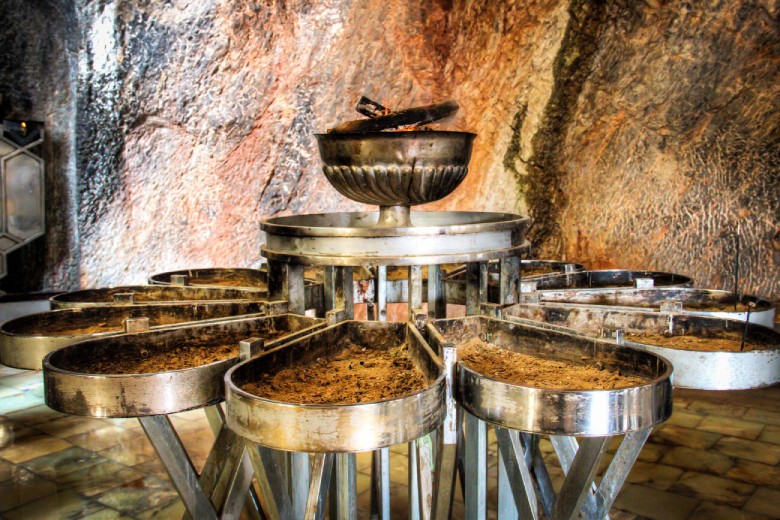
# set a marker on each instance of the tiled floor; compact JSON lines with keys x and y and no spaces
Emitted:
{"x":718,"y":457}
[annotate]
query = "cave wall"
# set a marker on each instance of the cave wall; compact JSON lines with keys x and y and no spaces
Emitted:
{"x":637,"y":134}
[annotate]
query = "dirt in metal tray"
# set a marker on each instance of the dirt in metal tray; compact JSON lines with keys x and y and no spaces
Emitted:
{"x":718,"y":341}
{"x":144,"y":361}
{"x":63,"y":329}
{"x":354,"y":375}
{"x":536,"y":271}
{"x":521,"y":369}
{"x":226,"y":280}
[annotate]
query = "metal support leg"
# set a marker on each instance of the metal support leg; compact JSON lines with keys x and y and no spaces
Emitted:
{"x":509,"y":280}
{"x":273,"y":490}
{"x":476,"y":286}
{"x":618,"y":470}
{"x":178,"y":465}
{"x":286,"y":282}
{"x":300,"y":476}
{"x":579,"y":478}
{"x":380,"y":484}
{"x":413,"y":481}
{"x":437,"y":307}
{"x":476,"y":468}
{"x":415,"y":289}
{"x":320,"y":484}
{"x":426,"y":459}
{"x":518,"y":476}
{"x":381,"y":293}
{"x":345,"y":294}
{"x":506,"y":502}
{"x":346,"y":486}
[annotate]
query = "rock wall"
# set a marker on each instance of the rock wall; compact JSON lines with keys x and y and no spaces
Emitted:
{"x":636,"y":134}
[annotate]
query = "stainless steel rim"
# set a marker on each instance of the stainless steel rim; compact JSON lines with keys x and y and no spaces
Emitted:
{"x":335,"y":428}
{"x":566,"y":412}
{"x":161,"y":393}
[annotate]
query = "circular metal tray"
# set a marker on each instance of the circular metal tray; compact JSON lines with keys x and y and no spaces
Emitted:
{"x":692,"y":301}
{"x":135,"y":395}
{"x":151,"y":295}
{"x":610,"y":278}
{"x":337,"y":427}
{"x":26,"y":340}
{"x":436,"y":237}
{"x":556,"y":411}
{"x":236,"y":277}
{"x":700,"y":370}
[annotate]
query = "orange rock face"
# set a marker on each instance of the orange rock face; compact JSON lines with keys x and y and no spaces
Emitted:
{"x":637,"y":136}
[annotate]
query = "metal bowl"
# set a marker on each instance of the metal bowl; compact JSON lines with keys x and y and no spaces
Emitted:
{"x":152,"y":295}
{"x":71,"y":390}
{"x":702,"y":370}
{"x":556,"y":411}
{"x":396,"y":168}
{"x":26,"y":340}
{"x":337,"y":427}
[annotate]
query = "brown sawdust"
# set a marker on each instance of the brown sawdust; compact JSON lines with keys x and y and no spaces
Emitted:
{"x":145,"y":361}
{"x":521,"y":369}
{"x":353,"y":375}
{"x":720,"y":341}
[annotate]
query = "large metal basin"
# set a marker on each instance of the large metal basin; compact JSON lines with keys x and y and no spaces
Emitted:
{"x":152,"y":295}
{"x":692,"y":369}
{"x":555,"y":411}
{"x":71,"y":389}
{"x":337,"y":427}
{"x":705,"y":302}
{"x":26,"y":340}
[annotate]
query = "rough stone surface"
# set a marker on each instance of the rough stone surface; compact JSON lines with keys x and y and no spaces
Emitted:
{"x":638,"y":135}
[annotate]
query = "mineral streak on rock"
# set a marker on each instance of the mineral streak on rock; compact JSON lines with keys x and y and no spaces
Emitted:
{"x":637,"y":134}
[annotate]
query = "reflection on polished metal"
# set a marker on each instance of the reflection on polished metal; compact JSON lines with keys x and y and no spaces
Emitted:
{"x":597,"y":415}
{"x":705,"y":302}
{"x":26,"y":340}
{"x":138,"y":395}
{"x":395,"y":170}
{"x":612,"y":278}
{"x":692,"y":368}
{"x":151,"y":295}
{"x":435,"y":237}
{"x":559,"y":412}
{"x":237,"y":278}
{"x":336,"y":428}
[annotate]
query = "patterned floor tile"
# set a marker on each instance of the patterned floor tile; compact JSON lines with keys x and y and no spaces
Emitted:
{"x":139,"y":495}
{"x":62,"y":462}
{"x":67,"y":504}
{"x":33,"y":446}
{"x":765,"y":501}
{"x":22,"y":488}
{"x":713,"y":489}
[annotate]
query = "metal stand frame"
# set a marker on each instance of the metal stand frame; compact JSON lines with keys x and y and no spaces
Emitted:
{"x":224,"y":487}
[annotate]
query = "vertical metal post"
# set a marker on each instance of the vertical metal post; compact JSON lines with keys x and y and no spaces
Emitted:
{"x":472,"y":288}
{"x":381,"y":292}
{"x":295,"y":289}
{"x":346,"y":486}
{"x":273,"y":489}
{"x":415,"y":289}
{"x":437,"y":307}
{"x":506,"y":502}
{"x":475,"y":468}
{"x":277,"y":280}
{"x":509,"y":280}
{"x":300,"y":478}
{"x":345,"y":292}
{"x":447,"y":441}
{"x":518,"y":476}
{"x":426,"y":460}
{"x":380,"y":484}
{"x":329,"y":287}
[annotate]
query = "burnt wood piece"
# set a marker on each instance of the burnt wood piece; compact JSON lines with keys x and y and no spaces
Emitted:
{"x":370,"y":108}
{"x":417,"y":116}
